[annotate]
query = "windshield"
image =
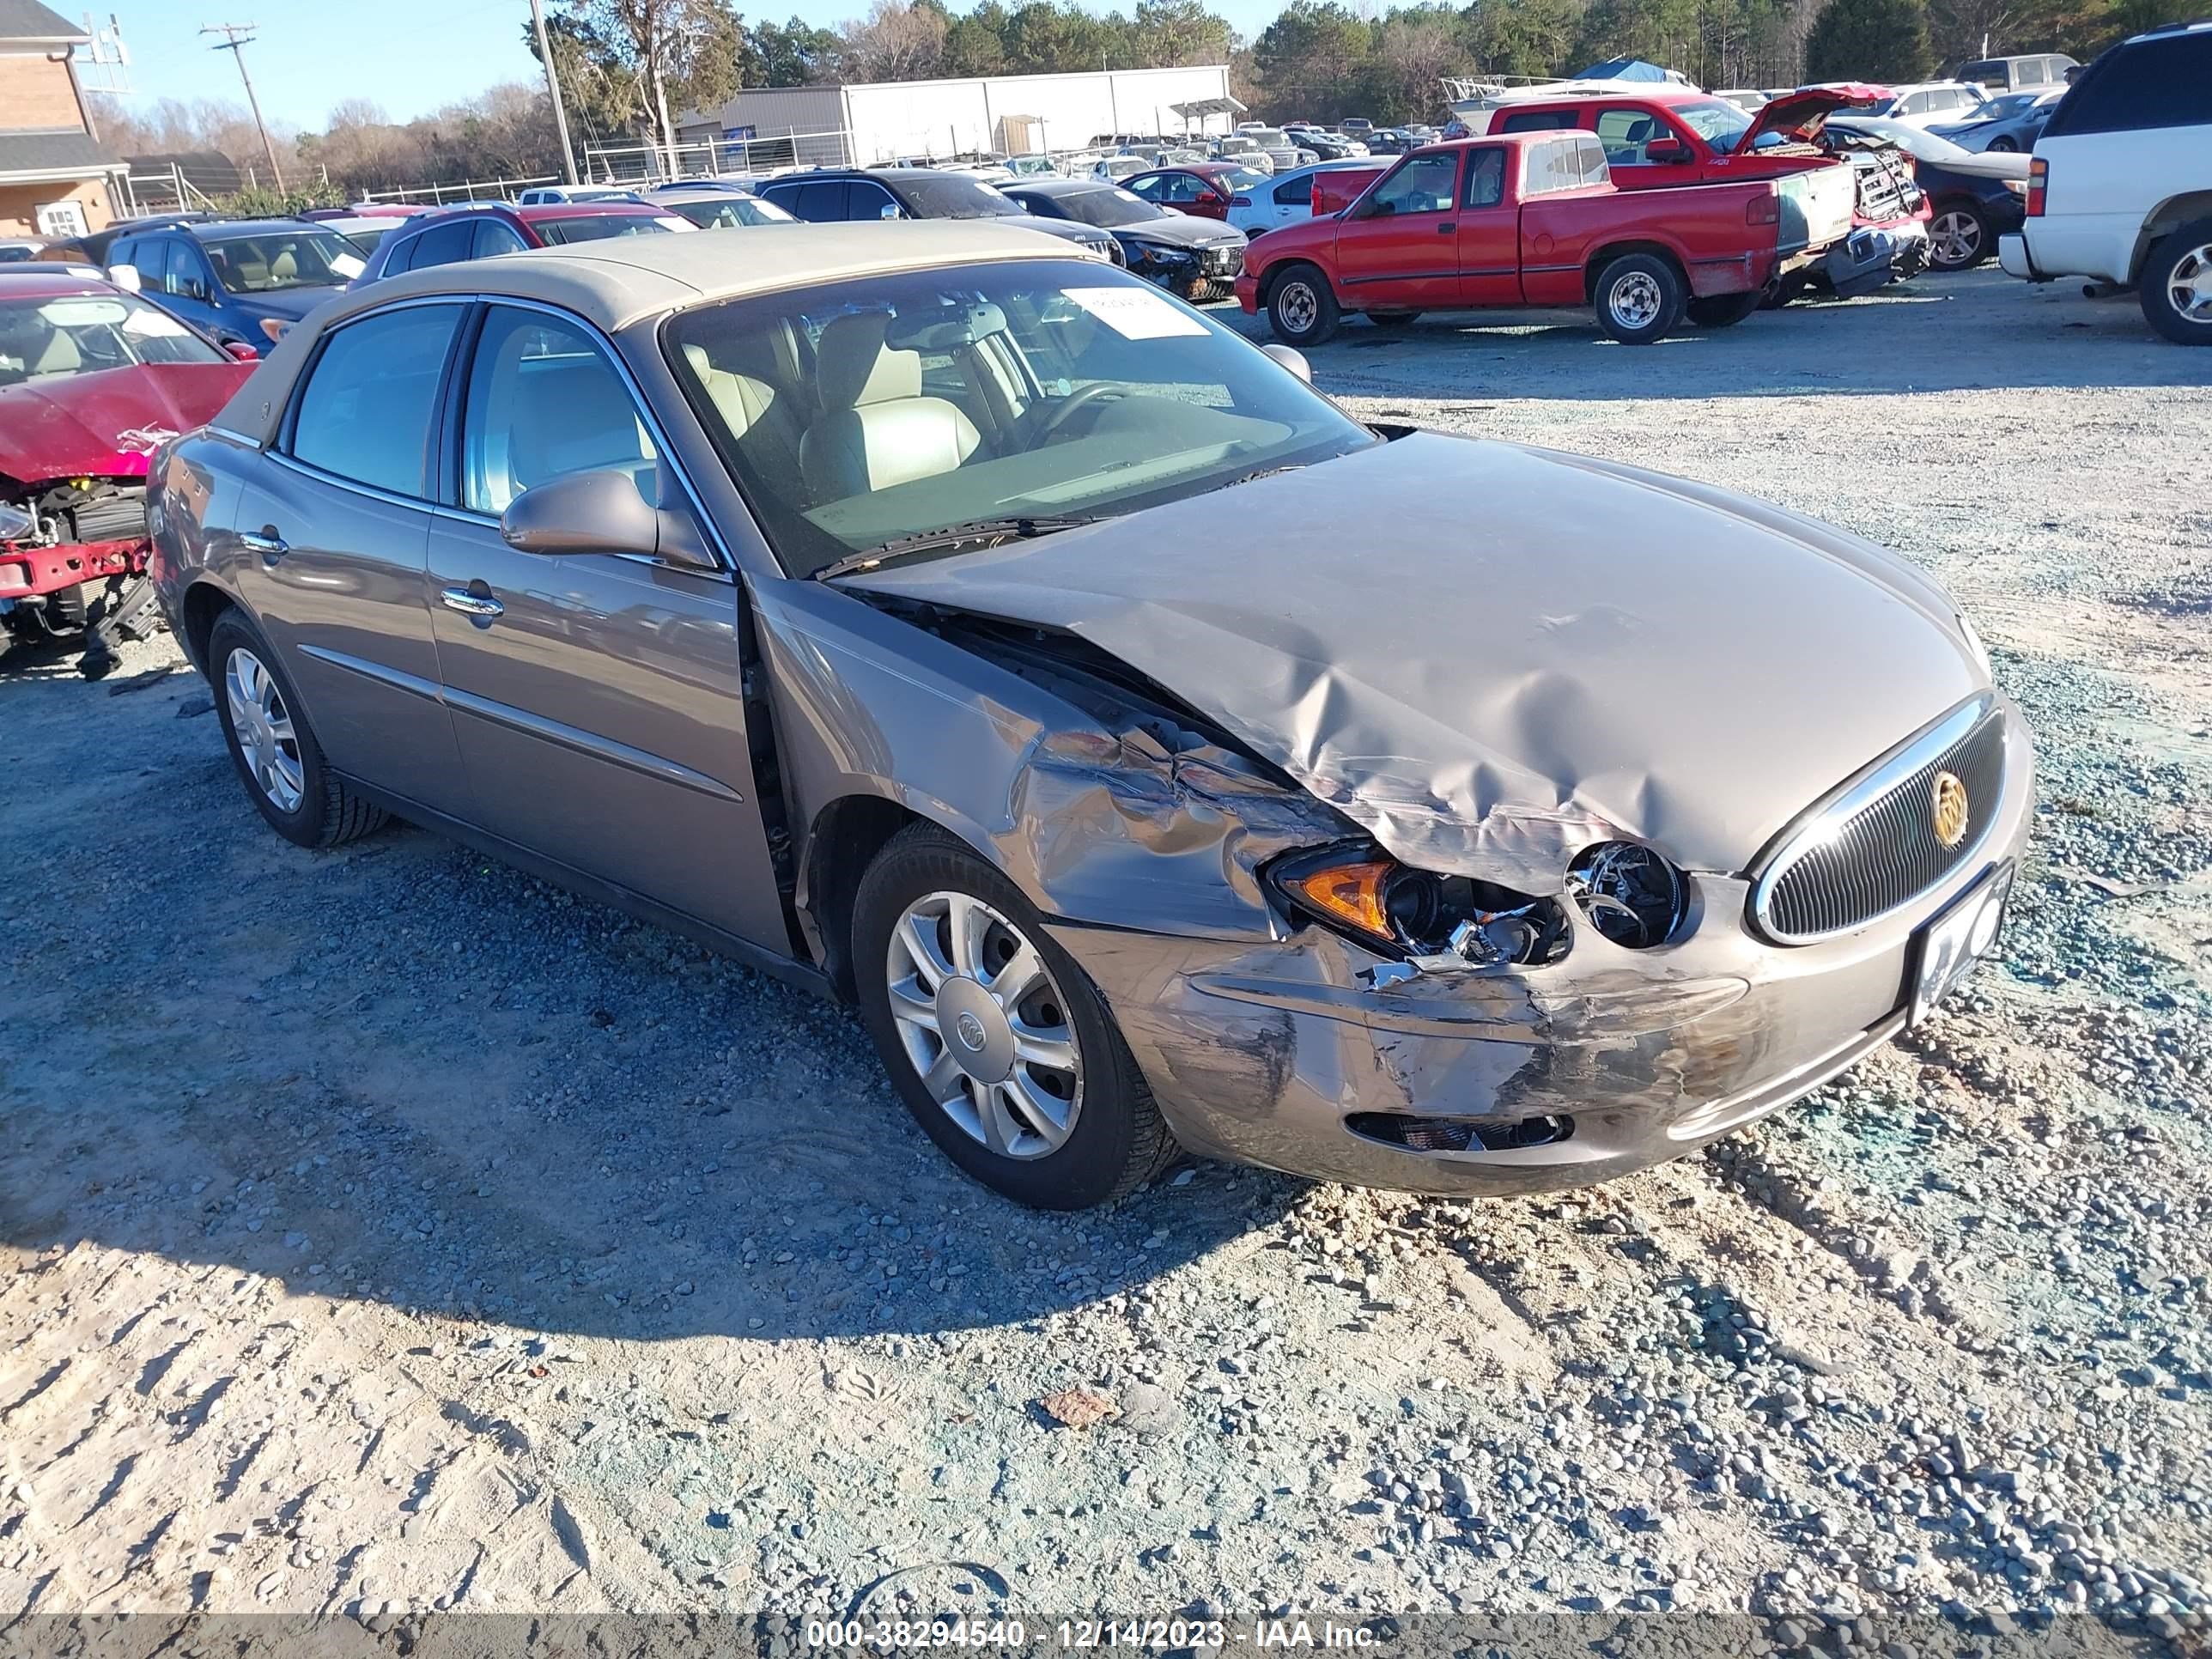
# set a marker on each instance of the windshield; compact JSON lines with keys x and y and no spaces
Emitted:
{"x":269,"y":260}
{"x":856,"y":414}
{"x":1105,"y":207}
{"x":598,"y":227}
{"x":1719,"y":123}
{"x":2005,"y":107}
{"x":80,"y":333}
{"x":949,"y":196}
{"x":732,"y":211}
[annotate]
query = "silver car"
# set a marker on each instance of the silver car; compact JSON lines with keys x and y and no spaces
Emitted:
{"x":1159,"y":757}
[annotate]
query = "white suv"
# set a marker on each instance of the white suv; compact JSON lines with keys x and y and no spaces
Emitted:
{"x":2121,"y":186}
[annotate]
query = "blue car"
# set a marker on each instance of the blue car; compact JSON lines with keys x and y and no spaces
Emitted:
{"x":247,"y":279}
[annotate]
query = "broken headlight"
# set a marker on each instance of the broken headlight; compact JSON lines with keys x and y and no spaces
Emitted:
{"x":1407,"y":913}
{"x":1631,"y":894}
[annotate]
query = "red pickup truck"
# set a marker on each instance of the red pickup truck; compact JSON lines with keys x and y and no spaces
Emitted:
{"x":1532,"y":219}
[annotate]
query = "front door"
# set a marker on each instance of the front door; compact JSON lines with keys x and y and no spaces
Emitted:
{"x":332,"y":525}
{"x":596,"y":698}
{"x":1400,"y":250}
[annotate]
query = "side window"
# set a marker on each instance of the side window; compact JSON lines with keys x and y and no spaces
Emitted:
{"x":1914,"y":104}
{"x":1298,"y":192}
{"x":1424,"y":184}
{"x":2165,"y":81}
{"x":372,"y":395}
{"x":185,"y":266}
{"x":441,"y":245}
{"x":866,"y":200}
{"x":495,"y":236}
{"x":1626,"y":134}
{"x":820,"y":204}
{"x":1486,"y":176}
{"x":543,"y":400}
{"x":1151,"y":186}
{"x":1538,"y":120}
{"x":1180,"y":188}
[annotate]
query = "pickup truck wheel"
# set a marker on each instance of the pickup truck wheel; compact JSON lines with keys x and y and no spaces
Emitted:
{"x":1957,"y":237}
{"x":1639,"y":298}
{"x":2176,"y":285}
{"x":1301,"y":309}
{"x":1725,"y":310}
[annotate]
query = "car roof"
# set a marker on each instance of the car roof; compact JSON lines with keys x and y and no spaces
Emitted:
{"x":614,"y":283}
{"x":207,"y":227}
{"x":538,"y":212}
{"x":1056,"y":187}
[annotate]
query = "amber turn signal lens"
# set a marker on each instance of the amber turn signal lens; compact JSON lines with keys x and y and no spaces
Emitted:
{"x":1353,"y":893}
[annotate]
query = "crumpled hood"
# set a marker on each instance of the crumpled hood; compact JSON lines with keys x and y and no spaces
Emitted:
{"x":1490,"y":655}
{"x":1180,"y":230}
{"x":106,"y":423}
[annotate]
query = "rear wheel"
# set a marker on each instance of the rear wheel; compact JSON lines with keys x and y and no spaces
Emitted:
{"x":1301,"y":308}
{"x":1724,"y":310}
{"x":1957,"y":237}
{"x":2176,"y":285}
{"x":274,"y":748}
{"x":994,"y":1036}
{"x":1639,"y":298}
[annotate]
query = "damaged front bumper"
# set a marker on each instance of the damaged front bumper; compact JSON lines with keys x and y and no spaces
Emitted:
{"x":1875,"y":256}
{"x":1300,"y":1056}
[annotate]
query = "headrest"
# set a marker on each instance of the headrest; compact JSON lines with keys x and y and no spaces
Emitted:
{"x":853,"y":368}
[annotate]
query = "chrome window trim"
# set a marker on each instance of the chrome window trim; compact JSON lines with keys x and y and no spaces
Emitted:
{"x":1882,"y":779}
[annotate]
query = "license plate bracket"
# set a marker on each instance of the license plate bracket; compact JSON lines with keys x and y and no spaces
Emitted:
{"x":1945,"y":950}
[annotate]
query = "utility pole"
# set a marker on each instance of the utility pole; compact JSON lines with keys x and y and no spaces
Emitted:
{"x":553,"y":89}
{"x":235,"y":38}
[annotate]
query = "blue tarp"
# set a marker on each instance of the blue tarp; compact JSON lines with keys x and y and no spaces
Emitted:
{"x":1623,"y":69}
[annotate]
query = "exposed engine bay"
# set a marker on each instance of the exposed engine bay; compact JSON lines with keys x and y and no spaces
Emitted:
{"x":73,"y":563}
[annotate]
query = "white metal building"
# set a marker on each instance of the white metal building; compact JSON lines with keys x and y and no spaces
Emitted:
{"x":892,"y":120}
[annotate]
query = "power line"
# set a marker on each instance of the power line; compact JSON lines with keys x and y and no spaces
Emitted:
{"x":235,"y":38}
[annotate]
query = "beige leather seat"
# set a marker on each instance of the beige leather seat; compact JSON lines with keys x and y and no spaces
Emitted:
{"x":754,"y":390}
{"x":284,"y":268}
{"x":875,"y":429}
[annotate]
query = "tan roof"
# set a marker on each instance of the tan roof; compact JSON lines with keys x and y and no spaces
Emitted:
{"x":621,"y":279}
{"x":615,"y":281}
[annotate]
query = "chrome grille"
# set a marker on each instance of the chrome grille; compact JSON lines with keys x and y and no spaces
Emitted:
{"x":1872,"y":848}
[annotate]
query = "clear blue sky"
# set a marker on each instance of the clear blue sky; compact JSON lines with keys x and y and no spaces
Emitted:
{"x":410,"y":56}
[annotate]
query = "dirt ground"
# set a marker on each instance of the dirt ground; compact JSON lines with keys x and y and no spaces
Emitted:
{"x":386,"y":1231}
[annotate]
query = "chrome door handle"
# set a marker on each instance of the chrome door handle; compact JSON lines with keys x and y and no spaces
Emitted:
{"x":470,"y":604}
{"x":264,"y":541}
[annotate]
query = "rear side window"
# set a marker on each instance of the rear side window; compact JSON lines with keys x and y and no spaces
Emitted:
{"x":1297,"y":192}
{"x":2165,"y":81}
{"x":441,"y":245}
{"x":1486,"y":176}
{"x":1538,"y":120}
{"x":495,"y":236}
{"x":369,"y":402}
{"x":820,"y":204}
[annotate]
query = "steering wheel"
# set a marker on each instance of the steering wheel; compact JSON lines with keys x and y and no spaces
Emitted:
{"x":1067,"y":406}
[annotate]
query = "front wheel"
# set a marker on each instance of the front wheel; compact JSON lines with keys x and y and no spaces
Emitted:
{"x":993,"y":1035}
{"x":1957,"y":237}
{"x":1639,"y":298}
{"x":1301,"y":307}
{"x":1724,"y":310}
{"x":2176,"y":285}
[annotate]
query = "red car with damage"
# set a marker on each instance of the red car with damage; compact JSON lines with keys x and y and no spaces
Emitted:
{"x":1660,"y":136}
{"x":93,"y":379}
{"x":1532,"y":219}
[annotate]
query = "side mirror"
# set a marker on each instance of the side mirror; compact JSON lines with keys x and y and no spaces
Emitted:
{"x":1667,"y":152}
{"x":126,"y":277}
{"x":191,"y":288}
{"x":600,"y":512}
{"x":1291,"y":359}
{"x":889,"y":210}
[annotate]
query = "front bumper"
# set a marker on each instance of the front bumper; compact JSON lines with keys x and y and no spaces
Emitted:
{"x":1873,"y":255}
{"x":1286,"y":1054}
{"x":30,"y":573}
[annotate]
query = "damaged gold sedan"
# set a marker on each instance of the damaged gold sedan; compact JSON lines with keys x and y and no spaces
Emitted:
{"x":1159,"y":758}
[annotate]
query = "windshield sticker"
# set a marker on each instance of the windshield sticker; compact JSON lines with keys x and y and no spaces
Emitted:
{"x":348,"y":265}
{"x":1135,"y":314}
{"x":146,"y":321}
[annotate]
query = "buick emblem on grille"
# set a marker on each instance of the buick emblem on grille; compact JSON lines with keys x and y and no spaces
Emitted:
{"x":1947,"y":808}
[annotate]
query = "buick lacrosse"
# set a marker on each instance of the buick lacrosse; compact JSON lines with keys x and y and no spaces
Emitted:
{"x":1157,"y":757}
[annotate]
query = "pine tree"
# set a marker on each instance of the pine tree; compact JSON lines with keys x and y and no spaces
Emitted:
{"x":1869,"y":40}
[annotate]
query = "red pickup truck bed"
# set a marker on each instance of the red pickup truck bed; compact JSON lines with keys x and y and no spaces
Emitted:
{"x":1532,"y":219}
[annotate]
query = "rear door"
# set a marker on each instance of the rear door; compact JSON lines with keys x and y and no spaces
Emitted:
{"x":1489,"y":230}
{"x":1399,"y":248}
{"x":596,"y":698}
{"x":333,"y":521}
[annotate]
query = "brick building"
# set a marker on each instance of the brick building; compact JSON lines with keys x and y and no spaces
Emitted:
{"x":55,"y":178}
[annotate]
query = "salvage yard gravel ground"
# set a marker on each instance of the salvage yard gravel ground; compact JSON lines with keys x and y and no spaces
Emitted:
{"x":385,"y":1231}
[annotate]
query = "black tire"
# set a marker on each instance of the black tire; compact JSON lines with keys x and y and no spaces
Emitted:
{"x":1639,"y":298}
{"x":327,"y":813}
{"x":1394,"y":319}
{"x":1301,"y":307}
{"x":1958,"y":237}
{"x":2004,"y":146}
{"x":1117,"y":1141}
{"x":1724,"y":310}
{"x":2184,"y":256}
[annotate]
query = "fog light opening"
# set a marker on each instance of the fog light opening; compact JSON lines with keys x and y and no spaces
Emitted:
{"x":1459,"y":1134}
